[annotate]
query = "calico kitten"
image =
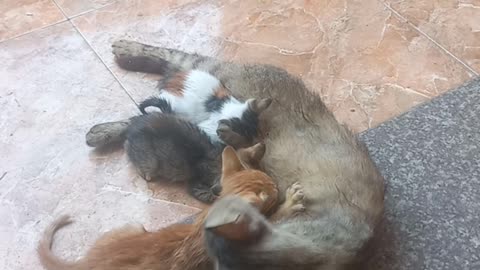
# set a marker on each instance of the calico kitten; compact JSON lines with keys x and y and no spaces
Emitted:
{"x":230,"y":121}
{"x":176,"y":247}
{"x":343,"y":187}
{"x":201,"y":98}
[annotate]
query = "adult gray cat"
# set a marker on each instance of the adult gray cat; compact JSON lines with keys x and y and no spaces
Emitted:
{"x":344,"y":191}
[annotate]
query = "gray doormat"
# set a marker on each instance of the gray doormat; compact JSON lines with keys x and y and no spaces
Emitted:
{"x":430,"y":157}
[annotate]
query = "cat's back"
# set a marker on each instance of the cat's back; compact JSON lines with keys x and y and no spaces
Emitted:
{"x":307,"y":144}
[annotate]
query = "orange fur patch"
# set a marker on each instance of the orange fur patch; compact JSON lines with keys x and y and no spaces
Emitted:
{"x":175,"y":84}
{"x":176,"y":247}
{"x":221,"y":92}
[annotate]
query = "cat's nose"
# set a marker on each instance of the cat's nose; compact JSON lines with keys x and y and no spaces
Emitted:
{"x":217,"y":189}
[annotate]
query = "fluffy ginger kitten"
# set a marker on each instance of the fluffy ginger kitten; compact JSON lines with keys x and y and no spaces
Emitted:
{"x":176,"y":247}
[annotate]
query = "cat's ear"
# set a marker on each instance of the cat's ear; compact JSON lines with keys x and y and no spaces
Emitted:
{"x":257,"y":151}
{"x":252,"y":155}
{"x":230,"y":162}
{"x":235,"y":227}
{"x":259,"y":105}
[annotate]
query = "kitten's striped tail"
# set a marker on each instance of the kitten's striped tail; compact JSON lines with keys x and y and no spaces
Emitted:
{"x":160,"y":103}
{"x":135,"y":56}
{"x":109,"y":133}
{"x":49,"y":260}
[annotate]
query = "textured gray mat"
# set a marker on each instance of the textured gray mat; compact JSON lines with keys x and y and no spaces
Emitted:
{"x":430,"y":158}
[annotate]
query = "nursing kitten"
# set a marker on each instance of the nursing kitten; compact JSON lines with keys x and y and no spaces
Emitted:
{"x":163,"y":146}
{"x":344,"y":189}
{"x":176,"y":247}
{"x":229,"y":122}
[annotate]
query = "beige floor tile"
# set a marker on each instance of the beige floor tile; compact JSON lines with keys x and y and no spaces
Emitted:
{"x":76,"y":7}
{"x":22,"y":16}
{"x":52,"y":90}
{"x":454,"y":24}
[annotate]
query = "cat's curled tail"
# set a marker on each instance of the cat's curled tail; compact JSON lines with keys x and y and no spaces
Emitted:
{"x":160,"y":103}
{"x":45,"y":253}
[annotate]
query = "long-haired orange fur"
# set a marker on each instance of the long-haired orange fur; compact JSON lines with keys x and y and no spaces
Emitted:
{"x":176,"y":247}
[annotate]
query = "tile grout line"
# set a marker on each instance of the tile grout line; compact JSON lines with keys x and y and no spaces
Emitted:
{"x":104,"y":64}
{"x":113,"y":189}
{"x":34,"y":30}
{"x":65,"y":19}
{"x":94,"y":51}
{"x":125,"y":90}
{"x":405,"y":20}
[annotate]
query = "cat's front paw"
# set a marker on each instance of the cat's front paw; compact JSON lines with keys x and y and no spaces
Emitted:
{"x":294,"y":203}
{"x":295,"y":196}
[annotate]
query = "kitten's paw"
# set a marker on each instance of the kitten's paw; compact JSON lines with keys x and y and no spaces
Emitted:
{"x":122,"y":48}
{"x":295,"y":197}
{"x":224,"y":131}
{"x":147,"y":177}
{"x":230,"y":137}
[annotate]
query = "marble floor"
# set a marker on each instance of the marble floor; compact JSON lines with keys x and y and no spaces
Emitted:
{"x":370,"y":60}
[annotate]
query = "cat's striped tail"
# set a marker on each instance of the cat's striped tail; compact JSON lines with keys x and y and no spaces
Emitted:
{"x":135,"y":56}
{"x":109,"y":133}
{"x":49,"y":260}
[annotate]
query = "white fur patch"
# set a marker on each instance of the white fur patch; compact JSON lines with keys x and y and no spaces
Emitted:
{"x":198,"y":87}
{"x":231,"y":109}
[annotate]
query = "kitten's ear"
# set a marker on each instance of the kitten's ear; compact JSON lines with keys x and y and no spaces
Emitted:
{"x":259,"y":105}
{"x":230,"y":162}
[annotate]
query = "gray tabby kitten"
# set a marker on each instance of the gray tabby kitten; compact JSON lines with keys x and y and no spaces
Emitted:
{"x":344,"y":191}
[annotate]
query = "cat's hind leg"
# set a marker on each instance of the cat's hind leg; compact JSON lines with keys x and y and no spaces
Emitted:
{"x":140,"y":153}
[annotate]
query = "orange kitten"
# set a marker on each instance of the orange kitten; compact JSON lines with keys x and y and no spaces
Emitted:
{"x":179,"y":246}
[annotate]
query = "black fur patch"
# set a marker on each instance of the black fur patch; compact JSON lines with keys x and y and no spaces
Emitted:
{"x":245,"y":126}
{"x":165,"y":147}
{"x":143,"y":64}
{"x":160,"y":103}
{"x":214,"y":103}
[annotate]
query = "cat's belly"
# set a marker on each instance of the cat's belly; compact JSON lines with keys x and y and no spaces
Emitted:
{"x":190,"y":109}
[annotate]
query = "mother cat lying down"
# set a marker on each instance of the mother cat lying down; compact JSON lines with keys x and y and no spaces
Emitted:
{"x":343,"y":188}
